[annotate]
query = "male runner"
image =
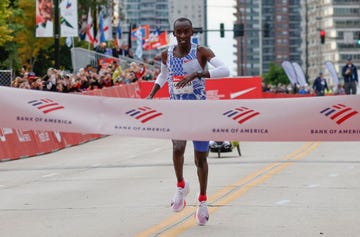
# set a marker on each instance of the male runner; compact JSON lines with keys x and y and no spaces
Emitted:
{"x":183,"y":67}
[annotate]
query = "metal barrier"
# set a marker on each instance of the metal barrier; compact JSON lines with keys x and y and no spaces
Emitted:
{"x":81,"y":57}
{"x":5,"y":77}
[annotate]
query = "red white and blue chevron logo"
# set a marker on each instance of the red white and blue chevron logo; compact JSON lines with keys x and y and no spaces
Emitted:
{"x":144,"y":114}
{"x":241,"y":114}
{"x":339,"y":113}
{"x":46,"y":105}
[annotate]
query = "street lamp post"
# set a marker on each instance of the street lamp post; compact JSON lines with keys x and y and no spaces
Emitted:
{"x":56,"y":33}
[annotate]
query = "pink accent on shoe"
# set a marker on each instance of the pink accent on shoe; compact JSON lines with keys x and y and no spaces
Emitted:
{"x":178,"y":202}
{"x":202,"y":214}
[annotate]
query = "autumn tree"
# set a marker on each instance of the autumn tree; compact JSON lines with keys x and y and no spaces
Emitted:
{"x":18,"y":43}
{"x":28,"y":44}
{"x":5,"y":31}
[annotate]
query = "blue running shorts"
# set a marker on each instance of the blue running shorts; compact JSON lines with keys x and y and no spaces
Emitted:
{"x":202,"y":146}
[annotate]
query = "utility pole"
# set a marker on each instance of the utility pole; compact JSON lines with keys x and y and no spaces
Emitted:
{"x":306,"y":42}
{"x":240,"y":50}
{"x":205,"y":26}
{"x":57,"y":34}
{"x":260,"y":40}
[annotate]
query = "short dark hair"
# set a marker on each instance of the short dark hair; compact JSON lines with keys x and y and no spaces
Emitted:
{"x":182,"y":19}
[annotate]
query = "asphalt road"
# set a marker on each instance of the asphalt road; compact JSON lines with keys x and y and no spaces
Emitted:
{"x":121,"y":186}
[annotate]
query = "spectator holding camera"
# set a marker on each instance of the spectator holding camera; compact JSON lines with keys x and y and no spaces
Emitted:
{"x":349,"y":72}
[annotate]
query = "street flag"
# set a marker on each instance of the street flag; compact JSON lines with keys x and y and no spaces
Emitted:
{"x":290,"y":71}
{"x":145,"y":29}
{"x":300,"y":76}
{"x":331,"y":68}
{"x":69,"y":41}
{"x":156,"y":40}
{"x":44,"y":20}
{"x":68,"y":18}
{"x":117,"y":35}
{"x":101,"y":34}
{"x":108,"y":28}
{"x":90,"y":29}
{"x":139,"y":43}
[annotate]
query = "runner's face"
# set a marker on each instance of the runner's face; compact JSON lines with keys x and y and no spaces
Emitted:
{"x":183,"y":32}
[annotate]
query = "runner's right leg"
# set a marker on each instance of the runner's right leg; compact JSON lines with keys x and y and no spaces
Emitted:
{"x":182,"y":187}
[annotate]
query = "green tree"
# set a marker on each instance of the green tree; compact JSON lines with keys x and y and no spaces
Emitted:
{"x":18,"y":43}
{"x":28,"y":44}
{"x":8,"y":49}
{"x":5,"y":31}
{"x":276,"y":75}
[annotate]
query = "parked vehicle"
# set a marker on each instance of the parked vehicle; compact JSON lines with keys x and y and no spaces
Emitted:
{"x":224,"y":146}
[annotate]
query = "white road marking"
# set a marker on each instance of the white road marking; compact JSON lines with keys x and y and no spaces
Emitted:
{"x":96,"y":165}
{"x":156,"y":149}
{"x":49,"y":175}
{"x":283,"y":202}
{"x":313,"y":186}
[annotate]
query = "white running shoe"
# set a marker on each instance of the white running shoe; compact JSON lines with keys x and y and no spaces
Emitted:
{"x":178,"y":202}
{"x":202,"y":214}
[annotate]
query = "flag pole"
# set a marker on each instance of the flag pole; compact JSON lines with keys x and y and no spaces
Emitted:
{"x":57,"y":34}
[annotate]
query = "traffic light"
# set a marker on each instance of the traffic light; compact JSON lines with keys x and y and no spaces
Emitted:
{"x":198,"y":30}
{"x":359,"y":38}
{"x":266,"y":30}
{"x":222,"y":30}
{"x":238,"y":30}
{"x":322,"y":36}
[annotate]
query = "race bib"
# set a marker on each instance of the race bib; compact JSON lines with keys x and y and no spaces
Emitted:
{"x":187,"y":89}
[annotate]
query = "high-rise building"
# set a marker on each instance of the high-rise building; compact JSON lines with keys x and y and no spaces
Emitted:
{"x":162,"y":13}
{"x":195,"y":10}
{"x":339,"y":22}
{"x":154,"y":13}
{"x":272,"y":34}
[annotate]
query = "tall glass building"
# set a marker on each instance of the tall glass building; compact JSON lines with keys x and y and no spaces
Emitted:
{"x":154,"y":13}
{"x":340,"y":20}
{"x":162,"y":13}
{"x":258,"y":48}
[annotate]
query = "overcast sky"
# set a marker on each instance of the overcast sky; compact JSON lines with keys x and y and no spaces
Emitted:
{"x":222,"y":12}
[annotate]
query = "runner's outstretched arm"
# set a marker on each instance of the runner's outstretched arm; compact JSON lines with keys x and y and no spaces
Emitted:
{"x":160,"y":81}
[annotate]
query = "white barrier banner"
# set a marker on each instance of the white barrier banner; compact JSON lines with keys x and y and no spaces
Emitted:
{"x":328,"y":118}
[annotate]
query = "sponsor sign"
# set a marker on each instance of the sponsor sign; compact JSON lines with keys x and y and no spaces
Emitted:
{"x":328,"y":118}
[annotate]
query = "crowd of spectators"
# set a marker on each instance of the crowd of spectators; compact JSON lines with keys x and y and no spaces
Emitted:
{"x":301,"y":90}
{"x":88,"y":78}
{"x":111,"y":73}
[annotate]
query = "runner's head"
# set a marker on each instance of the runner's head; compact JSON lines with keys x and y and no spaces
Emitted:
{"x":183,"y":31}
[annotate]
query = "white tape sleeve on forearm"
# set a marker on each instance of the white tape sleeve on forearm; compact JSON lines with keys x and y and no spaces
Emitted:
{"x":162,"y":77}
{"x":220,"y":69}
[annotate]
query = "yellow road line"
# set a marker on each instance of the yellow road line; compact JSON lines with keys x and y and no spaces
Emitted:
{"x":182,"y":221}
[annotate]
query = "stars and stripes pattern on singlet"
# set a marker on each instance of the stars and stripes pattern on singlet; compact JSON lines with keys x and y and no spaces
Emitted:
{"x":178,"y":69}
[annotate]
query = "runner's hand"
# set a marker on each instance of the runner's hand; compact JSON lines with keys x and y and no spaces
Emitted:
{"x":186,"y":80}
